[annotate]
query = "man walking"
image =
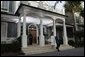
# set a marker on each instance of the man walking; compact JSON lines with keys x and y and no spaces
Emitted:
{"x":30,"y":38}
{"x":58,"y":41}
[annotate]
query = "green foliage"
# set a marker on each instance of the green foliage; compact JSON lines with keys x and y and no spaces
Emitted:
{"x":15,"y":46}
{"x":82,"y":13}
{"x":79,"y":33}
{"x":74,"y":44}
{"x":71,"y":42}
{"x":73,"y":6}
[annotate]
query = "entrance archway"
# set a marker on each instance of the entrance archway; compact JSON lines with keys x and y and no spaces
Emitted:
{"x":65,"y":40}
{"x":33,"y":29}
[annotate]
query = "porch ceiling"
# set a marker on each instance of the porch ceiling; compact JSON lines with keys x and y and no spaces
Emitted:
{"x":29,"y":19}
{"x":37,"y":20}
{"x":33,"y":15}
{"x":46,"y":21}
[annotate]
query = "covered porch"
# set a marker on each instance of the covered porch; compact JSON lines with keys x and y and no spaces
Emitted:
{"x":40,"y":20}
{"x":40,"y":17}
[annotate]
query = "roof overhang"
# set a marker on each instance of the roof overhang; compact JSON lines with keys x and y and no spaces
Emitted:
{"x":21,"y":5}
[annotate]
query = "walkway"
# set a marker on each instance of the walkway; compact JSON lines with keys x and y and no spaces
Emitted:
{"x":70,"y":52}
{"x":36,"y":49}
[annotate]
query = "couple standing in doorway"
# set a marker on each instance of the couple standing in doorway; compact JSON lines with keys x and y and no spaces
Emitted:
{"x":31,"y":39}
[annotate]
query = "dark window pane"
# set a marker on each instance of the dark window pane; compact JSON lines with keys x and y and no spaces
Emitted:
{"x":12,"y":30}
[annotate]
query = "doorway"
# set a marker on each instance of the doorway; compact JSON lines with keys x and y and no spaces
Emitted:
{"x":33,"y":30}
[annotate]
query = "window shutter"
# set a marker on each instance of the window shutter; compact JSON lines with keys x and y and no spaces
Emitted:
{"x":11,"y":5}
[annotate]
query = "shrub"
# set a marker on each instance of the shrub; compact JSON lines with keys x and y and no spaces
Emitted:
{"x":79,"y":44}
{"x":71,"y":42}
{"x":15,"y":46}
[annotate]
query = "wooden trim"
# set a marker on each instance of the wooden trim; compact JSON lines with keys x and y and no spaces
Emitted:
{"x":17,"y":12}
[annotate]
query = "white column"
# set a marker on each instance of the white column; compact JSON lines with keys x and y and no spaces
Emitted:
{"x":54,"y":28}
{"x":19,"y":27}
{"x":24,"y":36}
{"x":45,"y":29}
{"x":76,"y":28}
{"x":42,"y":40}
{"x":54,"y":32}
{"x":37,"y":36}
{"x":65,"y":40}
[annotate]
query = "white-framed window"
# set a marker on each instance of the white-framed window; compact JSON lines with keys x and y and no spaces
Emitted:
{"x":8,"y":6}
{"x":5,"y":6}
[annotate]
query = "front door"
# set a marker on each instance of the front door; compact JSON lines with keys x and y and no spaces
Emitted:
{"x":33,"y":32}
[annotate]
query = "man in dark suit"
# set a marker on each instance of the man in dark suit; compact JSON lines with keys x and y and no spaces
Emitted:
{"x":30,"y":38}
{"x":59,"y":41}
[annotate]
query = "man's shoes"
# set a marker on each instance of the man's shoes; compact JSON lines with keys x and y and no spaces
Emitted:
{"x":58,"y":50}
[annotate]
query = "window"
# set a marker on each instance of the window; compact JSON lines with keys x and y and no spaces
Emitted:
{"x":12,"y":30}
{"x":5,"y":5}
{"x":3,"y":31}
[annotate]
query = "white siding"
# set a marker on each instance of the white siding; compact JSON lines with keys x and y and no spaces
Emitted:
{"x":3,"y":31}
{"x":16,"y":5}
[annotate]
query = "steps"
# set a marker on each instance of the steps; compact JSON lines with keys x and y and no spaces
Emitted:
{"x":36,"y":49}
{"x":65,"y":47}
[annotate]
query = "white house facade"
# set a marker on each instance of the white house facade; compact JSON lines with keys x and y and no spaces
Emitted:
{"x":31,"y":18}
